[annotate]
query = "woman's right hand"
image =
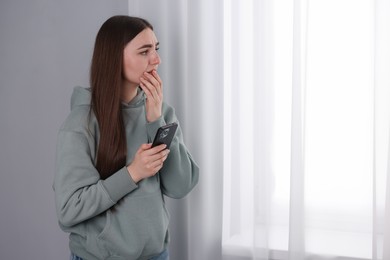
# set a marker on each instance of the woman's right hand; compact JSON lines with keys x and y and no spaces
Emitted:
{"x":147,"y":161}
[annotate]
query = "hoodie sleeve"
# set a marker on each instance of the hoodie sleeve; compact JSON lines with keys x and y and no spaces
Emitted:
{"x":80,"y":194}
{"x":180,"y":173}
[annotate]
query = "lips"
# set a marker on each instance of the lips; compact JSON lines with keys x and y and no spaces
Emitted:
{"x":150,"y":71}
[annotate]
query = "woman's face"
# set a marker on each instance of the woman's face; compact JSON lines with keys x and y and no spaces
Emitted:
{"x":140,"y":55}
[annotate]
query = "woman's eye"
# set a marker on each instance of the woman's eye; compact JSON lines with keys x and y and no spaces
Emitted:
{"x":144,"y":53}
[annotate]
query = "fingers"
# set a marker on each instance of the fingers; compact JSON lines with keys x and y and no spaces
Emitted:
{"x":156,"y":161}
{"x":154,"y":78}
{"x":144,"y":147}
{"x":153,"y":157}
{"x":159,"y":157}
{"x":147,"y":161}
{"x":152,"y":151}
{"x":152,"y":85}
{"x":157,"y":77}
{"x":151,"y":92}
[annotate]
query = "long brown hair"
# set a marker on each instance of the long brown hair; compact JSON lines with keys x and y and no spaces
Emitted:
{"x":106,"y":86}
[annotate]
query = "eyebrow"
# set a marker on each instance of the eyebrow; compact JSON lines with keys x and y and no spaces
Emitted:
{"x":148,"y":46}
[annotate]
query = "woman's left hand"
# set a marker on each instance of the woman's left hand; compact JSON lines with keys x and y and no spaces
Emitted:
{"x":151,"y":84}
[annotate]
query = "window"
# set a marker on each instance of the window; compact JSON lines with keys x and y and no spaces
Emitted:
{"x":337,"y":48}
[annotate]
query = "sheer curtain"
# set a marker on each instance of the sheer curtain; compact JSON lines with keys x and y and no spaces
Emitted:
{"x":381,"y":199}
{"x":306,"y":120}
{"x":285,"y":106}
{"x":191,"y":48}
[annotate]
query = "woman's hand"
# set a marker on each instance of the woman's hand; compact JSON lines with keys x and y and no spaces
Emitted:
{"x":147,"y":161}
{"x":151,"y":84}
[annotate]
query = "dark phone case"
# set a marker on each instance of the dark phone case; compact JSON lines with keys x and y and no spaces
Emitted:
{"x":165,"y":135}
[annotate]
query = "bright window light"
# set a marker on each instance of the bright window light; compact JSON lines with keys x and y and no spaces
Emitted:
{"x":339,"y":119}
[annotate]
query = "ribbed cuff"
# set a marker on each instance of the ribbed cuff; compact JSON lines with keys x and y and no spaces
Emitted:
{"x":119,"y":184}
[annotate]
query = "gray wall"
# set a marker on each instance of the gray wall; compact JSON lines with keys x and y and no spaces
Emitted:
{"x":45,"y":49}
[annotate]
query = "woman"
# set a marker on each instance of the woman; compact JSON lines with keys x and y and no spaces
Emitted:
{"x":109,"y":181}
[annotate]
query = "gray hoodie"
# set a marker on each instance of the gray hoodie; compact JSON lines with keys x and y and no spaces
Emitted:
{"x":116,"y":218}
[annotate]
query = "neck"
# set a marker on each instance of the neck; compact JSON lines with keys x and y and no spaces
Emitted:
{"x":128,"y":92}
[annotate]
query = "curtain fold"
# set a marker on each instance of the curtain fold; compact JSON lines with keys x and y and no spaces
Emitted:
{"x":296,"y":241}
{"x":381,"y":198}
{"x":262,"y":99}
{"x":382,"y":247}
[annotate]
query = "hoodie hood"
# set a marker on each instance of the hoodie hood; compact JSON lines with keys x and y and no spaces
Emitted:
{"x":82,"y":97}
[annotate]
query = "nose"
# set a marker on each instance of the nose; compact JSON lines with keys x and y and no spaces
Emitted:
{"x":155,"y":58}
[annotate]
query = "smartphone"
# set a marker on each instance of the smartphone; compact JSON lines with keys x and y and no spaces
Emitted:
{"x":165,"y":135}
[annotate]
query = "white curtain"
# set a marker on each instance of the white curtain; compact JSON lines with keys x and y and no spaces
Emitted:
{"x":381,"y":198}
{"x":191,"y":48}
{"x":306,"y":129}
{"x":285,"y":106}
